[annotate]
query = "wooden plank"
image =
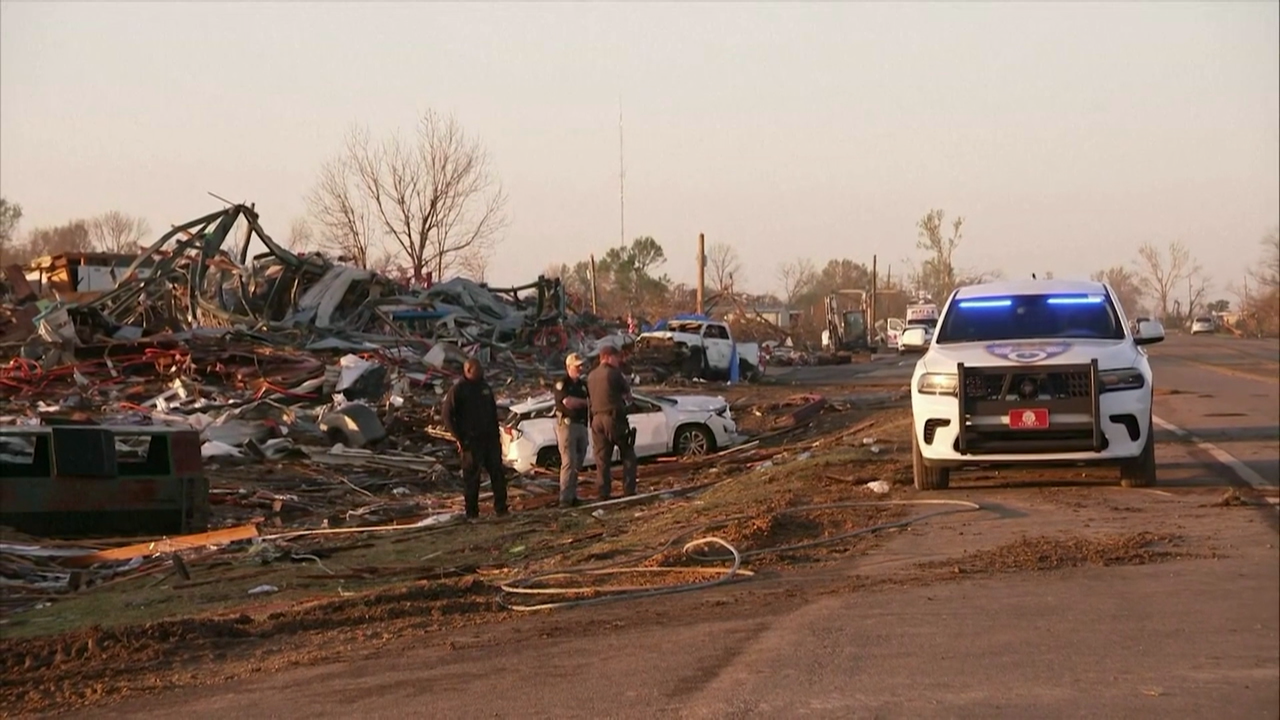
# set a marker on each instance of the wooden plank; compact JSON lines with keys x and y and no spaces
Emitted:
{"x":166,"y":545}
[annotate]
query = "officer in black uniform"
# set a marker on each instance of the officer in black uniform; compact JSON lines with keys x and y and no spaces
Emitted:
{"x":571,"y":427}
{"x":610,"y":394}
{"x":470,"y":414}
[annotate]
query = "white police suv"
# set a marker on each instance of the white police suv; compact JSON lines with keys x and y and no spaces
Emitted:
{"x":1041,"y":372}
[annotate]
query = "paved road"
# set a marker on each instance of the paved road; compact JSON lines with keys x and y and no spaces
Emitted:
{"x":1190,"y":639}
{"x":1226,"y":394}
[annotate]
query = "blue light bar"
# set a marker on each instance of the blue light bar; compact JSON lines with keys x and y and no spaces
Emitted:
{"x":985,"y":303}
{"x":1077,"y":300}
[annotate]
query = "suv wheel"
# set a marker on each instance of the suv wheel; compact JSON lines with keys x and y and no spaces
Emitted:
{"x":926,"y":478}
{"x":1141,"y":471}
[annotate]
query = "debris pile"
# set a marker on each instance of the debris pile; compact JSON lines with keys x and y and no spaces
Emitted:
{"x":308,"y":389}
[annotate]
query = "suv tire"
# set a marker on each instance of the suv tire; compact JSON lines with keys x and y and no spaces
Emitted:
{"x":1141,"y":471}
{"x":926,"y":478}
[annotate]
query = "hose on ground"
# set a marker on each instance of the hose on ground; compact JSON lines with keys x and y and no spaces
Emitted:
{"x":530,"y":586}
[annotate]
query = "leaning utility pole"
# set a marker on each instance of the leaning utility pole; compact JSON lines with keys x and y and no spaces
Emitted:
{"x":702,"y":270}
{"x":622,"y":177}
{"x":871,"y":310}
{"x":595,"y":310}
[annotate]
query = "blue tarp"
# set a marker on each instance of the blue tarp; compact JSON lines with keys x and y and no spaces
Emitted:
{"x":662,"y":324}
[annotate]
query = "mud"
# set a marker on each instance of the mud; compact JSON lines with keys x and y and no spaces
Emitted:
{"x":79,"y":668}
{"x":1056,"y":553}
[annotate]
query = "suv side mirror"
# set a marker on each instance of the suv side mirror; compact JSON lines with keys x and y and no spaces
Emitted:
{"x":1149,"y":332}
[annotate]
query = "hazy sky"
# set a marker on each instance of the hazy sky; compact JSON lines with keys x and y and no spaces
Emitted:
{"x":1065,"y":134}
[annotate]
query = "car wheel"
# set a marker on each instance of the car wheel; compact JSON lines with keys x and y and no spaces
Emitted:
{"x":694,"y":441}
{"x":549,"y":458}
{"x":927,"y":478}
{"x":1141,"y":471}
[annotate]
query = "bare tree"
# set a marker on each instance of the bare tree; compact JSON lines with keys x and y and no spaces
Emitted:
{"x":1160,"y":276}
{"x":435,"y":198}
{"x":1267,"y":273}
{"x":723,"y":266}
{"x":10,"y":215}
{"x":937,"y":273}
{"x":73,"y":237}
{"x":1197,"y":292}
{"x":341,"y":210}
{"x":474,"y":265}
{"x":797,"y":277}
{"x":116,"y":232}
{"x":1126,"y":286}
{"x":302,"y":236}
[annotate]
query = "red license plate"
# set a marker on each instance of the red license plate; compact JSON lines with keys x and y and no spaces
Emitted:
{"x":1029,"y":419}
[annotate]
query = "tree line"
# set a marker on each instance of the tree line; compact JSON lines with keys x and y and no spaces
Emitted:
{"x":429,"y":204}
{"x":109,"y":232}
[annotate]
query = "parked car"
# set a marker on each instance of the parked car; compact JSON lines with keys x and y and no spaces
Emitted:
{"x":1203,"y":324}
{"x":688,"y":425}
{"x":1034,"y":373}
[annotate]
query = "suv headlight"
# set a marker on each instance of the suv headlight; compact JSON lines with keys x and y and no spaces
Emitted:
{"x":937,"y":384}
{"x":1126,"y":379}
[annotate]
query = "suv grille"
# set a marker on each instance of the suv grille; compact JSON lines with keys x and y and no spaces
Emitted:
{"x":1053,"y":384}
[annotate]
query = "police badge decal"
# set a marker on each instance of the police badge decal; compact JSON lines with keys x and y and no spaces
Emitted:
{"x":1027,"y":353}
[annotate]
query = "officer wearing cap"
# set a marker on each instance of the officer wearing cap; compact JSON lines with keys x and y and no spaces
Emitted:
{"x":571,"y":427}
{"x":610,"y":394}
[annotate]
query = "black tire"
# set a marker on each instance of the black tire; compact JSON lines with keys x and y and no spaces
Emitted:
{"x":927,"y":478}
{"x":549,"y":458}
{"x":694,"y":441}
{"x":748,"y":372}
{"x":1141,"y":471}
{"x":695,"y":364}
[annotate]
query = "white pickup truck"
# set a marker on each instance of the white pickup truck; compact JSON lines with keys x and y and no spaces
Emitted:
{"x":711,"y":346}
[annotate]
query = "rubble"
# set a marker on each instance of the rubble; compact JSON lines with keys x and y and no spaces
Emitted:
{"x":308,"y":389}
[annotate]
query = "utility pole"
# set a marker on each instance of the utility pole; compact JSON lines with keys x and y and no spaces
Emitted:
{"x":595,"y":309}
{"x":702,"y":270}
{"x":622,"y":190}
{"x":871,"y":311}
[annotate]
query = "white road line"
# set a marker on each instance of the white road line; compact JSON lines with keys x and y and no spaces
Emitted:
{"x":1245,"y":472}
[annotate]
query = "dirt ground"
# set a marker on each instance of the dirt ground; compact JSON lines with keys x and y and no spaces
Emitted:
{"x":363,"y":595}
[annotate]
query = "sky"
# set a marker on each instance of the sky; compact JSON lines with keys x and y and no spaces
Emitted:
{"x":1066,"y":135}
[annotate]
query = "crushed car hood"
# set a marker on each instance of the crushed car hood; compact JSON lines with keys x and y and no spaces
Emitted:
{"x":535,"y":403}
{"x":1111,"y":354}
{"x":699,"y":403}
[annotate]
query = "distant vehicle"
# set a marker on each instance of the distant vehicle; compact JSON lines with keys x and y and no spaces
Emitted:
{"x":918,"y":315}
{"x":847,"y":329}
{"x":1034,"y":372}
{"x":893,"y":328}
{"x":688,"y":425}
{"x":923,"y":314}
{"x":915,"y":339}
{"x":1203,"y":324}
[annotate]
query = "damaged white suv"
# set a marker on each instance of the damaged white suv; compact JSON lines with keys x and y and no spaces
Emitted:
{"x":1041,"y":372}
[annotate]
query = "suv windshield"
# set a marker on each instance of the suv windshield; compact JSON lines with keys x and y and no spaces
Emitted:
{"x":1030,"y":317}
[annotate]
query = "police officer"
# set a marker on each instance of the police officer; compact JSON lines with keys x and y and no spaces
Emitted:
{"x":571,"y":427}
{"x":609,"y":394}
{"x":470,"y":414}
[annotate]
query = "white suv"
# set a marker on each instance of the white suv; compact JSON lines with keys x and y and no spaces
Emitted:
{"x":1035,"y":372}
